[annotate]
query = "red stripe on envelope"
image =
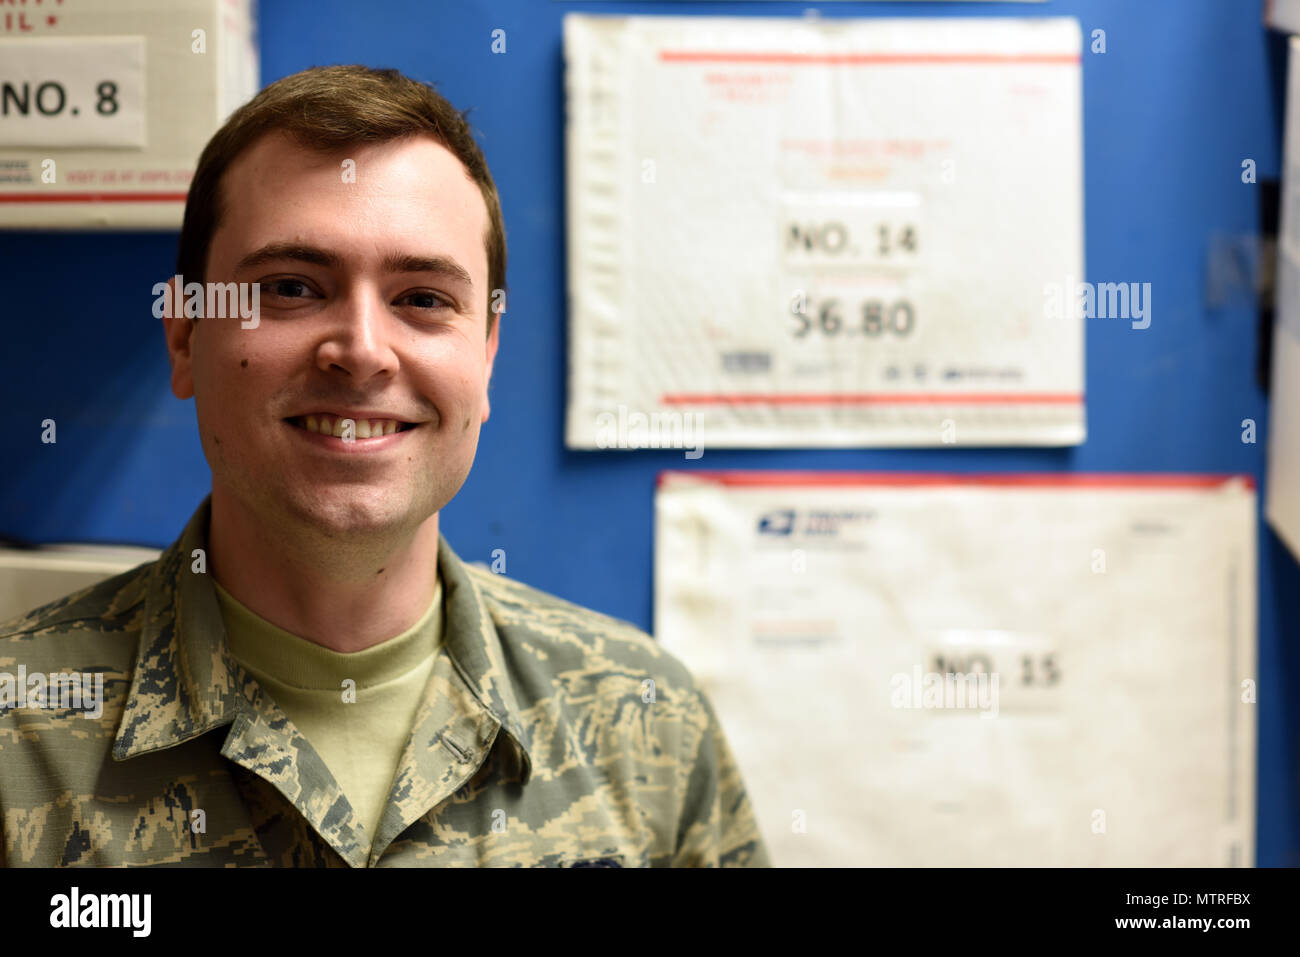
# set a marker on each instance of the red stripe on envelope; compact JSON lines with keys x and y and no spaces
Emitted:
{"x":854,"y":59}
{"x":1030,"y":479}
{"x":870,"y":398}
{"x":92,"y":197}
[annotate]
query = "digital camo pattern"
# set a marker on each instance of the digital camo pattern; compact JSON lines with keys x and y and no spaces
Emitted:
{"x":540,"y":742}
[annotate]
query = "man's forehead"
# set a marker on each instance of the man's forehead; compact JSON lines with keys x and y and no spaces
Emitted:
{"x":415,"y":173}
{"x":281,"y":152}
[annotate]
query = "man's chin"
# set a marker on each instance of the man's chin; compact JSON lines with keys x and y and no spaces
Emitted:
{"x":347,"y":512}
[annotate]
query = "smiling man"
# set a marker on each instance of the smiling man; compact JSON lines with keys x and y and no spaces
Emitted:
{"x":309,"y":675}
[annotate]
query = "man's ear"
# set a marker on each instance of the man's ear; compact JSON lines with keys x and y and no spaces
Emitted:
{"x":179,"y":333}
{"x":492,"y":342}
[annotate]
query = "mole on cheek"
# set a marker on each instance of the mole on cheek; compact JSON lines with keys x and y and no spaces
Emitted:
{"x":243,"y":363}
{"x":465,"y":427}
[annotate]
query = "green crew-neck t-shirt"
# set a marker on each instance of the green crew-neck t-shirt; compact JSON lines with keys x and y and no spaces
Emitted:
{"x":360,"y":741}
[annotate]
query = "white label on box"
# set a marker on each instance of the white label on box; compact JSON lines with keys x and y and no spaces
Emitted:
{"x":832,"y":229}
{"x":72,"y":92}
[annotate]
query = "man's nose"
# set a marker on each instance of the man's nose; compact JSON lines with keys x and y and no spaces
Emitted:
{"x":359,"y":340}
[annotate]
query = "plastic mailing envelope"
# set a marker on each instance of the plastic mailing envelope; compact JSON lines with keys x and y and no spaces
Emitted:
{"x":863,"y":232}
{"x":974,"y":670}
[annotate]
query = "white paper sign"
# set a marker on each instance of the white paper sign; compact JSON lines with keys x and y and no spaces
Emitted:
{"x":1282,"y":504}
{"x":950,"y":671}
{"x":72,"y":91}
{"x":837,"y":233}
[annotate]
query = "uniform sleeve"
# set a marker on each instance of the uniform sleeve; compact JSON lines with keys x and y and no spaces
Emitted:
{"x":717,"y":827}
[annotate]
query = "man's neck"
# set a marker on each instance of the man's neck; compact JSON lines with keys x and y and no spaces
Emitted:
{"x":345,"y":597}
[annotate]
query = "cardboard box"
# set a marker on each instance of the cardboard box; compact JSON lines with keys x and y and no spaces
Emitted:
{"x":30,"y":578}
{"x":105,"y":105}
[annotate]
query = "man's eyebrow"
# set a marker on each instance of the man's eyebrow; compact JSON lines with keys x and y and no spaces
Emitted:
{"x":391,"y":263}
{"x":442,"y":265}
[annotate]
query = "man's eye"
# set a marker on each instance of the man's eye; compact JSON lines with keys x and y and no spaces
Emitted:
{"x":427,"y":300}
{"x":285,"y":288}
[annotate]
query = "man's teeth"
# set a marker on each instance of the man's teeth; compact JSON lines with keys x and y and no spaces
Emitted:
{"x":363,"y":429}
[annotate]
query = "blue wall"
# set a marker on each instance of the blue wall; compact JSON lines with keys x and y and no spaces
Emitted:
{"x":1186,"y":90}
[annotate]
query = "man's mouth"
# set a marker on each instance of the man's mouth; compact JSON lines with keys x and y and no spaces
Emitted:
{"x":334,"y":425}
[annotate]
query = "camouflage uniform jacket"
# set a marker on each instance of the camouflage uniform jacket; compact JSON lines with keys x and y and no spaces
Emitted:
{"x":549,"y":735}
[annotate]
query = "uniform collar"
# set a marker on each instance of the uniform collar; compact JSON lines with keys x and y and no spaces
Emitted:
{"x":186,"y":683}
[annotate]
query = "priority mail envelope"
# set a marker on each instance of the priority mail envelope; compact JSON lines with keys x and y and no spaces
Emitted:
{"x":825,"y":233}
{"x":944,"y":670}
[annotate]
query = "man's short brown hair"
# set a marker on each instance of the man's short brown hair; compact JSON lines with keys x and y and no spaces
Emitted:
{"x":326,"y":109}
